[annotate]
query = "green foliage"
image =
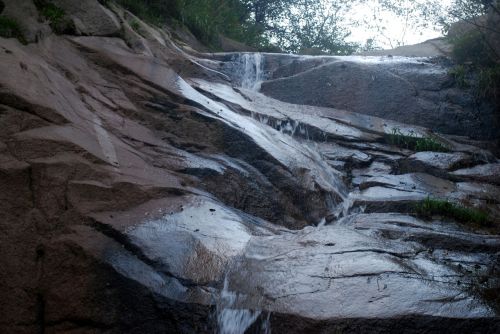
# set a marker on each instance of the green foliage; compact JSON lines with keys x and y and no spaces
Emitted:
{"x":206,"y":19}
{"x":209,"y":18}
{"x":10,"y":28}
{"x":2,"y":6}
{"x":472,"y":47}
{"x":294,"y":25}
{"x":489,"y":83}
{"x":431,"y":206}
{"x":52,"y":13}
{"x":412,"y":142}
{"x":459,"y":74}
{"x":135,"y":25}
{"x":56,"y":16}
{"x":305,"y":26}
{"x":153,"y":11}
{"x":483,"y":81}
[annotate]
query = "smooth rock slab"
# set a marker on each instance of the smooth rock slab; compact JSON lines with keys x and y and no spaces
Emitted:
{"x":339,"y":271}
{"x":485,"y":173}
{"x":440,"y":160}
{"x":195,"y":243}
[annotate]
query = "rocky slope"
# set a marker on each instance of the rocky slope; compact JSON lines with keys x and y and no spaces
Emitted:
{"x":147,"y":188}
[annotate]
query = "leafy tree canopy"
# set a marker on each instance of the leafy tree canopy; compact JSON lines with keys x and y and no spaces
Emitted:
{"x":318,"y":26}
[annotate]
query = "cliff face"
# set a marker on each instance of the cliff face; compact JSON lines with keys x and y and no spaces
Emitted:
{"x":146,"y":188}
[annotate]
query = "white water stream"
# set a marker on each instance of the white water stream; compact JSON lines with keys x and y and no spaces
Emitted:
{"x":251,"y":70}
{"x":234,"y":320}
{"x":231,"y":315}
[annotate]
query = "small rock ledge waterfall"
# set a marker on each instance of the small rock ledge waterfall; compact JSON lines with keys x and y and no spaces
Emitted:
{"x":249,"y":70}
{"x":157,"y":189}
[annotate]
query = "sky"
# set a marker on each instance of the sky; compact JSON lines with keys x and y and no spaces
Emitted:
{"x":396,"y":30}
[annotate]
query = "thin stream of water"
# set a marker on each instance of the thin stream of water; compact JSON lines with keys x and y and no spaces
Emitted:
{"x":231,"y":316}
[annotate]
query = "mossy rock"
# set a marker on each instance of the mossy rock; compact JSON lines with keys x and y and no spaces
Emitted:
{"x":56,"y":17}
{"x":10,"y":28}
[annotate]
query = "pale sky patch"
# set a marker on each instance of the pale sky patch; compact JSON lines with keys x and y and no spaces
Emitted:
{"x":396,"y":29}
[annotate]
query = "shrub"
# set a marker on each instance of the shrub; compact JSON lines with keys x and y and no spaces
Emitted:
{"x":52,"y":13}
{"x":430,"y":207}
{"x":489,"y":83}
{"x":478,"y":61}
{"x":209,"y":18}
{"x":206,"y":19}
{"x":459,"y":74}
{"x":135,"y":25}
{"x":472,"y":47}
{"x":412,"y":142}
{"x":10,"y":28}
{"x":56,"y":16}
{"x":153,"y":11}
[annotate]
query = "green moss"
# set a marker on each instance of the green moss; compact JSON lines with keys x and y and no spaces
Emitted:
{"x":412,"y":142}
{"x":10,"y":28}
{"x":430,"y":207}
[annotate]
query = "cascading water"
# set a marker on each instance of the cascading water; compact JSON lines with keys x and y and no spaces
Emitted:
{"x":251,"y":70}
{"x":234,"y":320}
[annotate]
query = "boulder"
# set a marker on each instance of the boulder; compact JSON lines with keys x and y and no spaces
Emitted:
{"x":90,"y":17}
{"x":410,"y":90}
{"x":26,"y":14}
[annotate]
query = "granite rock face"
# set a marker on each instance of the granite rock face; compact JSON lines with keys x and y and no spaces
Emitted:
{"x":90,"y":17}
{"x":146,"y":188}
{"x":419,"y":92}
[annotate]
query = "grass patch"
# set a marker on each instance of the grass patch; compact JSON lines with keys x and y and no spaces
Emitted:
{"x":412,"y":142}
{"x":56,"y":17}
{"x":478,"y":65}
{"x":459,"y":74}
{"x":135,"y":25}
{"x":483,"y":82}
{"x":10,"y":28}
{"x":489,"y":83}
{"x":472,"y":47}
{"x":206,"y":19}
{"x":430,"y":207}
{"x":52,"y":13}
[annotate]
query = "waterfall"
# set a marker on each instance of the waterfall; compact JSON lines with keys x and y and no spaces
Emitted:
{"x":232,"y":319}
{"x":250,"y":71}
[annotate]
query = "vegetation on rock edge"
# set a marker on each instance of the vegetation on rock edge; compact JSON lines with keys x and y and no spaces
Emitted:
{"x":431,"y":206}
{"x":412,"y":142}
{"x":10,"y":28}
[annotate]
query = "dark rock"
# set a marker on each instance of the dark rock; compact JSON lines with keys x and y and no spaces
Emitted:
{"x":418,"y":93}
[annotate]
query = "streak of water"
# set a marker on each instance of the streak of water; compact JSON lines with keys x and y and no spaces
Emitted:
{"x":251,"y":70}
{"x":232,"y":319}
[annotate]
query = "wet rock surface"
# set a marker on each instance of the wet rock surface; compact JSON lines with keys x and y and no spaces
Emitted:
{"x":146,"y":189}
{"x":419,"y":92}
